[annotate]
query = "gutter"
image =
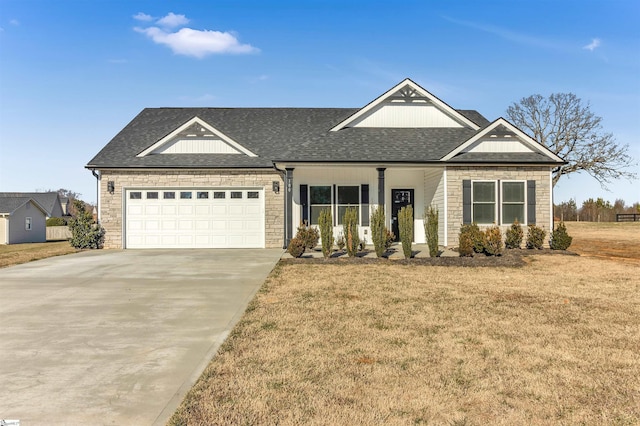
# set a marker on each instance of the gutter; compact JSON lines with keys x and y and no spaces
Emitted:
{"x":98,"y":177}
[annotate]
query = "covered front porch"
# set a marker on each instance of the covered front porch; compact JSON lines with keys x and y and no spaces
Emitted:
{"x":311,"y":188}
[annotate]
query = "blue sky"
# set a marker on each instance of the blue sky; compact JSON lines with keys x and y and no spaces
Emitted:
{"x":74,"y":73}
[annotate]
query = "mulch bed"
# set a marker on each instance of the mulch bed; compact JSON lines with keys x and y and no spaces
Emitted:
{"x":510,"y":259}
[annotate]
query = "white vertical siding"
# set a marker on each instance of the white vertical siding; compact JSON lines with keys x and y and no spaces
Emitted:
{"x":406,"y":115}
{"x":197,"y":146}
{"x":499,"y":145}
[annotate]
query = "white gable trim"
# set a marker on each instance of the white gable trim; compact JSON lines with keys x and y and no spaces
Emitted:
{"x":421,"y":91}
{"x":188,"y":124}
{"x":526,"y":139}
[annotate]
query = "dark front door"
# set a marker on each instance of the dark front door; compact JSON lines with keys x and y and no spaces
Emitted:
{"x":401,"y":198}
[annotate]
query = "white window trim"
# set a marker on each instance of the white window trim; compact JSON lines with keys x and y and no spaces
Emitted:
{"x":525,"y":219}
{"x":28,"y":223}
{"x":496,"y":203}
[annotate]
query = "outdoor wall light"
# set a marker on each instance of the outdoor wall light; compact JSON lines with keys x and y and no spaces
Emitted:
{"x":276,"y":186}
{"x":111,"y":186}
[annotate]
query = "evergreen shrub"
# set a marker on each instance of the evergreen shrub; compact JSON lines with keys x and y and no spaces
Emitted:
{"x":84,"y":233}
{"x":56,"y":221}
{"x":535,"y":237}
{"x":326,"y":232}
{"x":379,"y":231}
{"x":296,"y":247}
{"x":514,"y":236}
{"x":493,"y":241}
{"x":405,"y":224}
{"x":431,"y":230}
{"x":350,"y":229}
{"x":560,"y":239}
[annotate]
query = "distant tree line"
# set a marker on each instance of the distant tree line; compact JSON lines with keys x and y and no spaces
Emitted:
{"x":597,"y":210}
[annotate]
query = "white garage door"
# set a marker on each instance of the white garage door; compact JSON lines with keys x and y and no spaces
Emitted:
{"x":194,"y":218}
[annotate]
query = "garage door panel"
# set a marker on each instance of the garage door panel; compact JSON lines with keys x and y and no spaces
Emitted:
{"x":169,"y":210}
{"x":216,"y":221}
{"x":185,"y":210}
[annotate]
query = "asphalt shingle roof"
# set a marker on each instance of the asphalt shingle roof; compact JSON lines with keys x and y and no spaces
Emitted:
{"x":47,"y":200}
{"x":9,"y":204}
{"x":279,"y":134}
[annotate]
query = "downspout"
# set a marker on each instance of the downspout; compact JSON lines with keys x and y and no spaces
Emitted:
{"x":97,"y":176}
{"x":283,"y":173}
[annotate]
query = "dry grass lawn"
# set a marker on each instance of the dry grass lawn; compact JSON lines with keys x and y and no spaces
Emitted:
{"x":554,"y":342}
{"x":14,"y":254}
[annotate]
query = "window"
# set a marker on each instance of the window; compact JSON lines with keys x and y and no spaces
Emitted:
{"x":27,"y":223}
{"x":170,"y":195}
{"x":348,"y":196}
{"x":253,"y":194}
{"x":236,"y":194}
{"x":484,"y":202}
{"x":152,"y":195}
{"x":219,"y":194}
{"x":185,"y":195}
{"x":513,"y":202}
{"x":135,"y":195}
{"x":319,"y":199}
{"x":203,"y":195}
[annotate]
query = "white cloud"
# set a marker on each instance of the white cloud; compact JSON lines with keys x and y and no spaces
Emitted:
{"x":197,"y":43}
{"x":595,"y":43}
{"x":140,"y":16}
{"x":172,"y":20}
{"x":14,"y":22}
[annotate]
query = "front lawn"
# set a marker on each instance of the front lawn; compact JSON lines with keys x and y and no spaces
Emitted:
{"x":13,"y":254}
{"x":555,"y":341}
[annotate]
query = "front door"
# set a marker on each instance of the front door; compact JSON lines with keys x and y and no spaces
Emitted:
{"x":401,"y":198}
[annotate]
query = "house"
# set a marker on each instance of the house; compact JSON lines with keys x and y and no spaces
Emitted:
{"x":22,"y":220}
{"x":246,"y":177}
{"x":49,"y":201}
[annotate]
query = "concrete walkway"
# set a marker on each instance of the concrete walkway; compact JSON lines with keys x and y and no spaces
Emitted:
{"x":117,"y":337}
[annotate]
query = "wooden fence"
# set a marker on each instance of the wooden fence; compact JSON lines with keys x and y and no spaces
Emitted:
{"x":58,"y":233}
{"x":628,"y":217}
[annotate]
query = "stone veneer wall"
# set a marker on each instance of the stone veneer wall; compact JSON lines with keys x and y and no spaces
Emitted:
{"x":111,"y":204}
{"x":455,"y":176}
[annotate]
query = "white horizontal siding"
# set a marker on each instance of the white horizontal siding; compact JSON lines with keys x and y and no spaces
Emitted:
{"x":434,"y":196}
{"x":197,"y":146}
{"x":413,"y":115}
{"x":499,"y":145}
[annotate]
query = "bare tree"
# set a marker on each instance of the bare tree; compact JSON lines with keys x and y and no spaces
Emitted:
{"x":567,"y":127}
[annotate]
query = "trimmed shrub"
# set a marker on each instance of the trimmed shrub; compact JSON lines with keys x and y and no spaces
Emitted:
{"x":514,"y":236}
{"x":405,"y":225}
{"x":56,"y":221}
{"x":379,"y":231}
{"x":431,"y":230}
{"x":535,"y":237}
{"x":84,"y":234}
{"x":493,"y":241}
{"x":560,"y":240}
{"x":465,"y":242}
{"x":296,"y":247}
{"x":476,"y":235}
{"x":309,"y":235}
{"x":350,"y":227}
{"x":326,"y":231}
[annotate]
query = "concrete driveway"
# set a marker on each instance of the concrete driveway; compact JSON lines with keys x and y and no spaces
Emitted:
{"x":117,"y":337}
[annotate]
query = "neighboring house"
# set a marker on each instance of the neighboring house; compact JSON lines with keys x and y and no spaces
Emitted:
{"x":247,"y":177}
{"x":22,"y":220}
{"x":50,"y":201}
{"x":64,"y":204}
